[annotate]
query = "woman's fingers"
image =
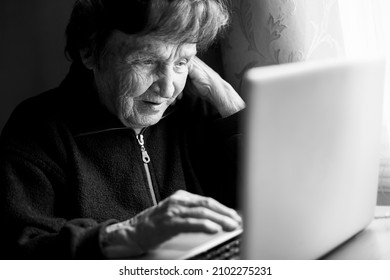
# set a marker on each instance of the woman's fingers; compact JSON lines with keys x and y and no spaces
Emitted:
{"x":204,"y":214}
{"x":193,"y":200}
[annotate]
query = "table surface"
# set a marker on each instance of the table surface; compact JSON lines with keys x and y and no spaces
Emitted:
{"x":373,"y":243}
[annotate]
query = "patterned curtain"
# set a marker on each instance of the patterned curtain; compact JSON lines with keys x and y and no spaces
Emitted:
{"x":266,"y":32}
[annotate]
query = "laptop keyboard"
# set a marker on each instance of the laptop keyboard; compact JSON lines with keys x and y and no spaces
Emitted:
{"x":228,"y":250}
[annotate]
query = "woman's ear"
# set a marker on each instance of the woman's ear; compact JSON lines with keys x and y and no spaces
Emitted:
{"x":87,"y":58}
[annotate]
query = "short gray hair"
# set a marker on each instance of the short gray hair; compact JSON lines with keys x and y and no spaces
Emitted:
{"x":177,"y":21}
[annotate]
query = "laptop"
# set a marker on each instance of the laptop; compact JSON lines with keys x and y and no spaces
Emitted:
{"x":312,"y":158}
{"x":311,"y":163}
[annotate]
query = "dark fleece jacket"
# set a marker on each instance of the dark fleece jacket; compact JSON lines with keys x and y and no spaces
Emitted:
{"x":68,"y":168}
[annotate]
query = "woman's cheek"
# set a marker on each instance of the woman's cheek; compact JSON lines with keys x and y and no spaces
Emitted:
{"x":134,"y":83}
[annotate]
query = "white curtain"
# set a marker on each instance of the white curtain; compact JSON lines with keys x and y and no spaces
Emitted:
{"x":366,"y":30}
{"x":268,"y":32}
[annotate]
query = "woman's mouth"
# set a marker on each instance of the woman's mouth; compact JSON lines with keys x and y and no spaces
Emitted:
{"x":153,"y":105}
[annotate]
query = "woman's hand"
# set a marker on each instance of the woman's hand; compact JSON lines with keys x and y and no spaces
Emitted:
{"x":209,"y":85}
{"x":179,"y":213}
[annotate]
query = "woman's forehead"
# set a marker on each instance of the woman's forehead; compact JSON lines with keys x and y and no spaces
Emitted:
{"x":127,"y":45}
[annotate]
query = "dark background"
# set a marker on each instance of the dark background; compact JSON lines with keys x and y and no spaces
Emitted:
{"x":32,"y":44}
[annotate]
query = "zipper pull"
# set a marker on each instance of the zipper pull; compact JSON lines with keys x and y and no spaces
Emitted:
{"x":141,"y":142}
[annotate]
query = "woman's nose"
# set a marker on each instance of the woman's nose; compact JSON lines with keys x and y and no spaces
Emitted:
{"x":164,"y":85}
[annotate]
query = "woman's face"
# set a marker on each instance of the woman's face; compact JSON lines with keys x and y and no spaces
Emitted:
{"x":137,"y":78}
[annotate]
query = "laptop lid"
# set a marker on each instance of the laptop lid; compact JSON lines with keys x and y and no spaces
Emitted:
{"x":311,"y":156}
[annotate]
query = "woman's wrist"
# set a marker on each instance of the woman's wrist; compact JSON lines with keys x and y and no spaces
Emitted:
{"x":227,"y":101}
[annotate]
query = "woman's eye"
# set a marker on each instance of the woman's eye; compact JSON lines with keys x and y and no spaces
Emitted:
{"x":182,"y":64}
{"x":148,"y":62}
{"x":143,"y":62}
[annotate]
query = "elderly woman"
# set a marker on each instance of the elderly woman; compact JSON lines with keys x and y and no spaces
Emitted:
{"x":127,"y":151}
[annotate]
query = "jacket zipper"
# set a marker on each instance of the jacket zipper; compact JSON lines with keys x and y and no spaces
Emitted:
{"x":146,"y":160}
